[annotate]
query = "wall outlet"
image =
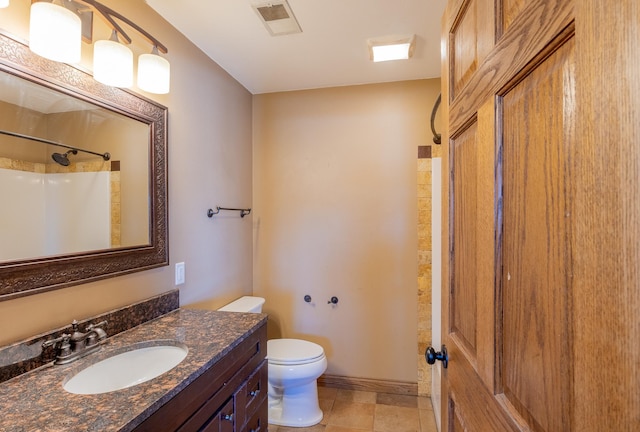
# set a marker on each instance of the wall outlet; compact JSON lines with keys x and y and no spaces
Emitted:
{"x":179,"y":273}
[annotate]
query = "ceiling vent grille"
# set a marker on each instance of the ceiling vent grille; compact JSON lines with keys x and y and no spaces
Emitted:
{"x":277,"y":17}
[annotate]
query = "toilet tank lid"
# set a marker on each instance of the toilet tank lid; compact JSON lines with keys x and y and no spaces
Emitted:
{"x":244,"y":304}
{"x":296,"y":351}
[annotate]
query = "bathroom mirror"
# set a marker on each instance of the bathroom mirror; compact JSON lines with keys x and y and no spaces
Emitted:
{"x":94,"y":206}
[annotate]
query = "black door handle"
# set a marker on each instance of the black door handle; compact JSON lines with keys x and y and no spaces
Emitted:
{"x":430,"y":355}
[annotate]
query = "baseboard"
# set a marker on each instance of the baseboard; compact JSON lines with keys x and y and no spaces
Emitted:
{"x":372,"y":385}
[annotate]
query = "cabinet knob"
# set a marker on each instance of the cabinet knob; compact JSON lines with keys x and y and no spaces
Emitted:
{"x":228,"y":417}
{"x":254,"y":393}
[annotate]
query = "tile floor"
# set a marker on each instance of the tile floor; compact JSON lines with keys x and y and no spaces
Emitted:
{"x":357,"y":411}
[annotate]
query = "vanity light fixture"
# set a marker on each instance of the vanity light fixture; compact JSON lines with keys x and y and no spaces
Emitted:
{"x":113,"y":61}
{"x":55,"y":32}
{"x":4,"y":4}
{"x":391,"y":48}
{"x":153,"y":73}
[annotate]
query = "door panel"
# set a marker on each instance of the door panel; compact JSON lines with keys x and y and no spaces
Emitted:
{"x":510,"y":11}
{"x":457,"y":426}
{"x":509,"y":245}
{"x":539,"y":22}
{"x":454,"y":419}
{"x":474,"y":215}
{"x":463,"y":286}
{"x":472,"y":39}
{"x":541,"y":219}
{"x":538,"y":128}
{"x":534,"y":389}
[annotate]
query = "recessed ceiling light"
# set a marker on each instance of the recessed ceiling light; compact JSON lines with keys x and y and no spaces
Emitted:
{"x":391,"y":48}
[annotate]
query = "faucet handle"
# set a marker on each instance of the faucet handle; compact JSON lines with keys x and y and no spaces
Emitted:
{"x":93,"y":326}
{"x":95,"y":331}
{"x":64,"y":338}
{"x":63,"y":348}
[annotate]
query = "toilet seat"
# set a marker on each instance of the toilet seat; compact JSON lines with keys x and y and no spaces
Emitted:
{"x":293,"y":352}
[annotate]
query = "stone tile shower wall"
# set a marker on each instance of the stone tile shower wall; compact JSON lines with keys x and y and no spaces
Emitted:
{"x":425,"y":153}
{"x":424,"y":267}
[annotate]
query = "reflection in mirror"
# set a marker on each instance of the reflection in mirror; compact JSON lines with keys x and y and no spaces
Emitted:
{"x":69,"y":201}
{"x":70,"y":215}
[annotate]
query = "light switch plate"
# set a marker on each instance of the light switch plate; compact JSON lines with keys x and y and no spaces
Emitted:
{"x":180,"y":273}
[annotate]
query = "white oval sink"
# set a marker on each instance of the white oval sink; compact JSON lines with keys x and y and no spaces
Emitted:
{"x":137,"y":364}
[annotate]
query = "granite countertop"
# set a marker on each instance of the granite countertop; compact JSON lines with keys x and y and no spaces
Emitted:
{"x":36,"y":401}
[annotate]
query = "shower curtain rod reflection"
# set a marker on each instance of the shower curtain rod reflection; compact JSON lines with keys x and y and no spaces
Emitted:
{"x":106,"y":156}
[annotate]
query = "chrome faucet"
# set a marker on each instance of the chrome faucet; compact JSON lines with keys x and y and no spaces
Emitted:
{"x":70,"y":347}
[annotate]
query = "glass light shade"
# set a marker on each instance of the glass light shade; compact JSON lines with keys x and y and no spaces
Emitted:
{"x":4,"y":4}
{"x":112,"y":63}
{"x":394,"y":47}
{"x":153,"y":73}
{"x":55,"y":32}
{"x":391,"y":52}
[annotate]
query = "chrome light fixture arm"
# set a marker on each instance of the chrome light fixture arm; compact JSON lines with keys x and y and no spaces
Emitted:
{"x":109,"y":14}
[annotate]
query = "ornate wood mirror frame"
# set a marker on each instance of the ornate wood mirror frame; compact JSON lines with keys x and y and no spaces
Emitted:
{"x":33,"y":276}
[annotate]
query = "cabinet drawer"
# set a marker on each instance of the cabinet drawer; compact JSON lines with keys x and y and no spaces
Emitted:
{"x":256,"y":389}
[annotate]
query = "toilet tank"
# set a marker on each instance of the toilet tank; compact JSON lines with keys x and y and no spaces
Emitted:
{"x":244,"y":304}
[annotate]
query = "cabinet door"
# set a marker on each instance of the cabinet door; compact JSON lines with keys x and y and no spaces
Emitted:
{"x":258,"y":422}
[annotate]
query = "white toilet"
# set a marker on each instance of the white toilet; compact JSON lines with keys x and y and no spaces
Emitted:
{"x":294,"y":367}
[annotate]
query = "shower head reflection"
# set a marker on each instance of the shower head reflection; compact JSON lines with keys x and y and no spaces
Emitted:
{"x":63,"y":158}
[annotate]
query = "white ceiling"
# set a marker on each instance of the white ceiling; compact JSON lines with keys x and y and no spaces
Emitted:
{"x":331,"y":50}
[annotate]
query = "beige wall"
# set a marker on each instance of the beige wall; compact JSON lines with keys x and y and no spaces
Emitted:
{"x":335,"y":213}
{"x":209,"y":165}
{"x":25,"y":121}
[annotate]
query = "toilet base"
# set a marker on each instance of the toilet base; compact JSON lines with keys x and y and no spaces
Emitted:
{"x":295,"y":407}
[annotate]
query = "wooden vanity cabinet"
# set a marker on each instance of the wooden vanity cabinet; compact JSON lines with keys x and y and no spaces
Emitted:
{"x":231,"y":396}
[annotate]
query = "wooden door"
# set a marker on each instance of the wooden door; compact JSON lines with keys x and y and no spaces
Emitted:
{"x":541,"y":220}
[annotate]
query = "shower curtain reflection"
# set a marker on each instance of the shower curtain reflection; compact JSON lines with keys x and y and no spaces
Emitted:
{"x":67,"y":212}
